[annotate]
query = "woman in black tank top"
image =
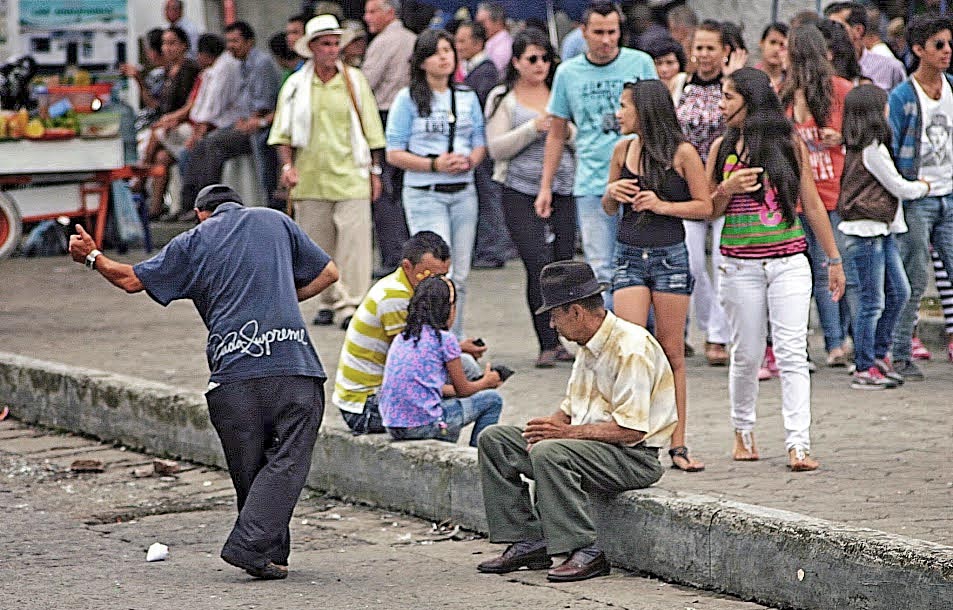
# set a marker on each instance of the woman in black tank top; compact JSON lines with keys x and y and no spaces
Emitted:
{"x":657,"y":179}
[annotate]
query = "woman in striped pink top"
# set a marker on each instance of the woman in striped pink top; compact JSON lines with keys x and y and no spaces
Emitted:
{"x":758,"y":171}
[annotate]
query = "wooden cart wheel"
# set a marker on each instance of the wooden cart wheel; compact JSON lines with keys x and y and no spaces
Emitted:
{"x":11,"y":227}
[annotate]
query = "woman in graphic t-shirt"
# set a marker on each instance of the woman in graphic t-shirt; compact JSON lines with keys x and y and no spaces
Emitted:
{"x":435,"y":133}
{"x":814,"y":98}
{"x":758,"y":171}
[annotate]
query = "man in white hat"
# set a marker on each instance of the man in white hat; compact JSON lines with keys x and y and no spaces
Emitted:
{"x":330,"y":146}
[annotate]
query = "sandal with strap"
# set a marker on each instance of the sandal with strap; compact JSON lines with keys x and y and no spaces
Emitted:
{"x":682,"y":452}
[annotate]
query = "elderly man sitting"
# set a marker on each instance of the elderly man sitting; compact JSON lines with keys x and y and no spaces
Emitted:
{"x":618,"y":411}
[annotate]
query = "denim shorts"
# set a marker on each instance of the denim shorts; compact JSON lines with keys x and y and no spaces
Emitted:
{"x":660,"y":269}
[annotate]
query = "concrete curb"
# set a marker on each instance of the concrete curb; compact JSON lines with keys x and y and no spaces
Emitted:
{"x":770,"y":556}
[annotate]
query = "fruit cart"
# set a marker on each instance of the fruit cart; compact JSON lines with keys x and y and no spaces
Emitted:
{"x":51,"y":168}
{"x":46,"y":178}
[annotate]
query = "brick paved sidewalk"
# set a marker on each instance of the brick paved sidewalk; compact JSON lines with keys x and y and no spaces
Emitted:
{"x":885,"y":455}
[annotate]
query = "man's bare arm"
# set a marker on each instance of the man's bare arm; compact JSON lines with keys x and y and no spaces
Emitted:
{"x":120,"y":275}
{"x":557,"y":426}
{"x":328,"y":276}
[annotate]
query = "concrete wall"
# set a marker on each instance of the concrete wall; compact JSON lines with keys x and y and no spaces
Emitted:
{"x":752,"y":15}
{"x":775,"y":557}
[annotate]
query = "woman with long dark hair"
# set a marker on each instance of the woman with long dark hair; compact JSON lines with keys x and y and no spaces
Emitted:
{"x":813,"y":97}
{"x":758,"y":172}
{"x":658,"y":180}
{"x":517,"y":124}
{"x":435,"y":133}
{"x":840,"y":51}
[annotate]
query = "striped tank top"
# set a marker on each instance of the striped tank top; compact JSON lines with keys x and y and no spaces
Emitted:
{"x":757,"y":230}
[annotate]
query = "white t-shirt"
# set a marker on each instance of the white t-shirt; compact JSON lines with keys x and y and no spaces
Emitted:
{"x":936,"y":139}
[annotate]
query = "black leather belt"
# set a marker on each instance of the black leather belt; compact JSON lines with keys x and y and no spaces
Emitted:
{"x":453,"y":187}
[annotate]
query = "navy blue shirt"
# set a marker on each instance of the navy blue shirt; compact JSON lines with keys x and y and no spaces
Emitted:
{"x":241,"y":268}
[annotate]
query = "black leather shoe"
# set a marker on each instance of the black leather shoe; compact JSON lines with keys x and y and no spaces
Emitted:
{"x":269,"y":571}
{"x":581,"y":565}
{"x":325,"y":317}
{"x":531,"y":555}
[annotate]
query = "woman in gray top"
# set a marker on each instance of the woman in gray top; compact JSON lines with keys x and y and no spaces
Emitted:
{"x":517,"y":124}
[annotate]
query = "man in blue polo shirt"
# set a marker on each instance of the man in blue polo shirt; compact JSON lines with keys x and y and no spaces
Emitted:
{"x":586,"y":91}
{"x":246,"y":269}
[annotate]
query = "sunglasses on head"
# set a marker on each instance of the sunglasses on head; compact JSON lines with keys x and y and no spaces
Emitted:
{"x":532,"y":59}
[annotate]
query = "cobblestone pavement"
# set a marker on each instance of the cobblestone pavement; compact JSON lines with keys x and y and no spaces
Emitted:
{"x":885,"y":455}
{"x":80,"y":542}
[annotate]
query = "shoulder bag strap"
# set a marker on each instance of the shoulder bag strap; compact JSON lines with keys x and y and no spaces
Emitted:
{"x":350,"y":94}
{"x":453,"y":117}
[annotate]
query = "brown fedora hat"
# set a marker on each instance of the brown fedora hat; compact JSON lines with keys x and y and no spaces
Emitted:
{"x":566,"y":282}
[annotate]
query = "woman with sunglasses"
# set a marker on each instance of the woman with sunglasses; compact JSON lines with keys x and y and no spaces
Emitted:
{"x":658,"y":180}
{"x":758,"y":172}
{"x":517,"y":124}
{"x":435,"y":133}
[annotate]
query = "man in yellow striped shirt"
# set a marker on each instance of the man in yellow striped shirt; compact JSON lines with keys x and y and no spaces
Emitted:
{"x":380,"y":317}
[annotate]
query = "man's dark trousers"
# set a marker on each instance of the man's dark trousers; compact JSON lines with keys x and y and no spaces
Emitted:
{"x":493,"y":244}
{"x":268,"y":427}
{"x":207,"y":159}
{"x":390,"y":224}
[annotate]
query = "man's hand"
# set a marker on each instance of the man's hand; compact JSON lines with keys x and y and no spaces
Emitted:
{"x":249,"y":125}
{"x":377,"y":187}
{"x":468,"y":346}
{"x":545,"y":428}
{"x":289,"y":177}
{"x":81,"y":244}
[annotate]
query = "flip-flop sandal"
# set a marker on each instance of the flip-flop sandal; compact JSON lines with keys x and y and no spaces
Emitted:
{"x":682,"y":452}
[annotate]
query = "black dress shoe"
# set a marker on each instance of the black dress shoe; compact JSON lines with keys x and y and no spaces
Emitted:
{"x":325,"y":317}
{"x":582,"y":564}
{"x":528,"y":554}
{"x":269,"y":571}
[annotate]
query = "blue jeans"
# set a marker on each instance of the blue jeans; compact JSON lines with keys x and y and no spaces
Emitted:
{"x":598,"y":231}
{"x":482,"y":409}
{"x":452,"y":216}
{"x":930,"y":221}
{"x":660,"y":269}
{"x":835,"y":317}
{"x":878,"y":291}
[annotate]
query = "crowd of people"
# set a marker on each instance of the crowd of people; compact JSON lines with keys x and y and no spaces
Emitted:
{"x":824,"y":172}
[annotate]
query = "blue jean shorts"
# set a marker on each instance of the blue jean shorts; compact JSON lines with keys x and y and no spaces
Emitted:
{"x":660,"y":269}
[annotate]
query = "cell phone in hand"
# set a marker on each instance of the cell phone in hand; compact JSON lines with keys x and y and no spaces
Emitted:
{"x":479,"y":342}
{"x":504,"y":372}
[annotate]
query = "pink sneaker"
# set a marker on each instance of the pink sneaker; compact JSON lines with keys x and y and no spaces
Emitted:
{"x":769,"y":366}
{"x":919,"y":351}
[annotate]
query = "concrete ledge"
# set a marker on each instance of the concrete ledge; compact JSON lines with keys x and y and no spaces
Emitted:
{"x":774,"y":557}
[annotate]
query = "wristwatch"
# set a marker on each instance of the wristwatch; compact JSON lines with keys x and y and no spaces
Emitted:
{"x":376,"y":170}
{"x":91,"y":259}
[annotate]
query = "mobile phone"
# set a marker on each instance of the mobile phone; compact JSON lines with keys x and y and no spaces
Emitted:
{"x":504,"y":372}
{"x":479,"y":342}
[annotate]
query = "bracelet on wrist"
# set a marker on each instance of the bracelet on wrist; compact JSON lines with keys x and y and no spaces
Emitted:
{"x":835,"y":261}
{"x":433,"y":164}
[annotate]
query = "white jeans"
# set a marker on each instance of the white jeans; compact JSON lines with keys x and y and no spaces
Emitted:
{"x":706,"y":305}
{"x":750,"y":289}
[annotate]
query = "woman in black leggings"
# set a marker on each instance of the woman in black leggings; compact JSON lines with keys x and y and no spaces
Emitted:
{"x":516,"y":129}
